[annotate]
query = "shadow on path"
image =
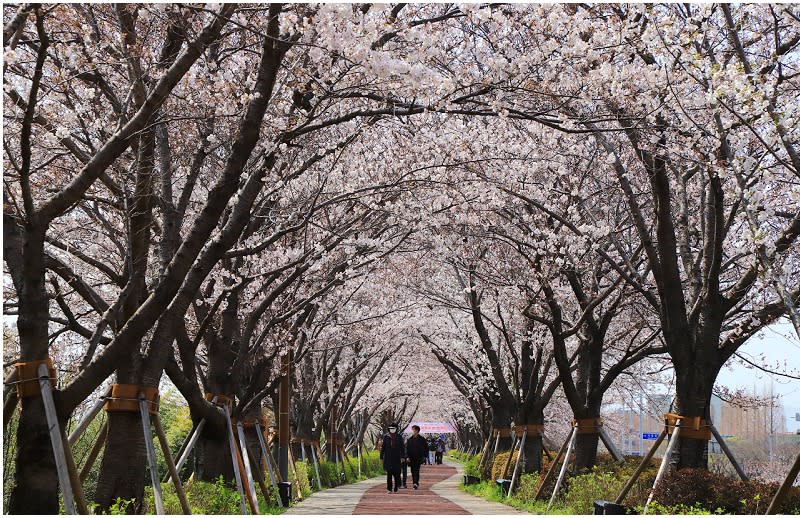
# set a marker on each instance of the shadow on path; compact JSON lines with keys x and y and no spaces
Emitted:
{"x":411,"y":501}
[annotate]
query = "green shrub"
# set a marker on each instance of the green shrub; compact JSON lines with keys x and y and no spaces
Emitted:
{"x":203,"y":498}
{"x":585,"y":489}
{"x":527,"y":487}
{"x":500,"y":463}
{"x":303,"y":469}
{"x":471,"y":466}
{"x":699,"y":487}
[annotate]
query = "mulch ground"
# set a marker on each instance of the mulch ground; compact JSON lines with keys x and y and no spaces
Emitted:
{"x":410,"y":501}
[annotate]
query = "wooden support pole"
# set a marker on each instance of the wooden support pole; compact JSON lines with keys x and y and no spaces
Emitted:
{"x":77,"y":488}
{"x":546,"y":479}
{"x":173,"y":471}
{"x":612,"y":448}
{"x":346,"y":459}
{"x":358,"y":457}
{"x":55,"y":439}
{"x":664,"y":462}
{"x":298,"y":492}
{"x":76,"y":434}
{"x":516,"y":464}
{"x":151,"y":454}
{"x":484,"y":453}
{"x":251,"y":485}
{"x":274,"y":464}
{"x":787,"y":484}
{"x":563,"y":467}
{"x":640,"y":468}
{"x":98,"y":445}
{"x":187,"y":447}
{"x":724,"y":446}
{"x":510,"y":455}
{"x":265,"y":455}
{"x":545,"y":453}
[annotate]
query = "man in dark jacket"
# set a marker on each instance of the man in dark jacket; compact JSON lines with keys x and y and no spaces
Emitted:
{"x":416,"y":451}
{"x":392,"y":453}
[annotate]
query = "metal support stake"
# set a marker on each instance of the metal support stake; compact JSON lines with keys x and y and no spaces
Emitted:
{"x":162,"y":440}
{"x":316,"y":466}
{"x":612,"y":448}
{"x":564,"y":466}
{"x":151,"y":454}
{"x":182,"y":450}
{"x":516,"y":464}
{"x":724,"y":446}
{"x":98,"y":445}
{"x":664,"y":462}
{"x":259,"y":475}
{"x":552,"y":469}
{"x":55,"y":439}
{"x":189,"y":445}
{"x":358,"y":454}
{"x":235,"y":460}
{"x":246,"y":460}
{"x":76,"y":434}
{"x":641,"y":467}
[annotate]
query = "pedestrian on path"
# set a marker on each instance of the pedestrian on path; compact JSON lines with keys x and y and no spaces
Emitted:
{"x":416,"y":451}
{"x":440,"y":449}
{"x":393,"y":451}
{"x":431,"y":449}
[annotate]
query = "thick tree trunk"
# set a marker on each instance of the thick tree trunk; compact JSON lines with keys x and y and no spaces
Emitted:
{"x":586,"y":443}
{"x":122,"y":471}
{"x":533,"y":454}
{"x":35,"y":479}
{"x":213,"y":458}
{"x":303,"y":426}
{"x":694,"y":387}
{"x":586,"y":450}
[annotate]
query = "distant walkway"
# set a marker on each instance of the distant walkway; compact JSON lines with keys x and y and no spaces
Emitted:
{"x":438,"y":494}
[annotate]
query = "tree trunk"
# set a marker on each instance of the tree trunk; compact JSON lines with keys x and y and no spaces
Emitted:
{"x":694,"y":386}
{"x":533,"y":454}
{"x":122,"y":472}
{"x":35,"y":479}
{"x":586,"y":450}
{"x":213,"y":458}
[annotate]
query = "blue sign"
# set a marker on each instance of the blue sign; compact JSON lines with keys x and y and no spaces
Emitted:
{"x":650,"y":436}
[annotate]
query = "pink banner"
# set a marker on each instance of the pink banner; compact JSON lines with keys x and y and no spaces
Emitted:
{"x":431,"y":428}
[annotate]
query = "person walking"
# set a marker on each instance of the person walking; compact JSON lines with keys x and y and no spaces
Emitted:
{"x":440,"y":449}
{"x":392,"y":453}
{"x":431,"y":449}
{"x":416,"y":451}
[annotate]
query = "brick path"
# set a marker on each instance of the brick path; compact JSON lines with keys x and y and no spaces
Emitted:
{"x":410,"y":501}
{"x":438,"y":494}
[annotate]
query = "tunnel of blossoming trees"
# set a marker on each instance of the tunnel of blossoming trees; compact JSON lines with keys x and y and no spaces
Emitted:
{"x":240,"y":240}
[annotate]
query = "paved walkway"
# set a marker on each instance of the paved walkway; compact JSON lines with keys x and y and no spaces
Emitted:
{"x":438,"y":494}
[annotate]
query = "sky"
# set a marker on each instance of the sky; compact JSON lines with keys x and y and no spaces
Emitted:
{"x":780,"y":348}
